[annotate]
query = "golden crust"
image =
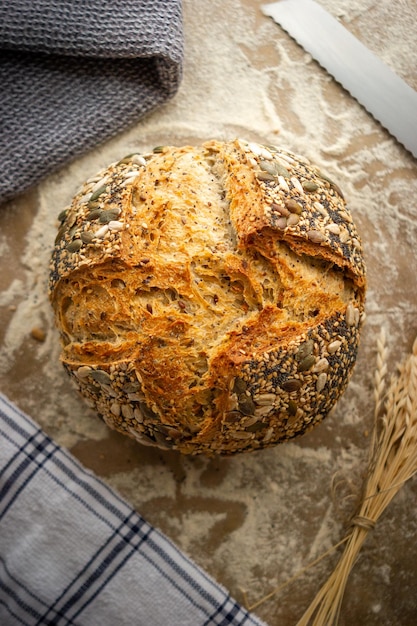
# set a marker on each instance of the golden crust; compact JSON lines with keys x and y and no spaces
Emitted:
{"x":209,"y":298}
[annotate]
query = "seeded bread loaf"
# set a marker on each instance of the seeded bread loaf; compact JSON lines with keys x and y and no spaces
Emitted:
{"x":209,"y":298}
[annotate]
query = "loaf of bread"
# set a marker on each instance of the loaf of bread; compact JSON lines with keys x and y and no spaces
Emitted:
{"x":209,"y":298}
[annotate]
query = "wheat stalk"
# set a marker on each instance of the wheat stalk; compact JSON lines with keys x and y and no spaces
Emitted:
{"x":393,"y":461}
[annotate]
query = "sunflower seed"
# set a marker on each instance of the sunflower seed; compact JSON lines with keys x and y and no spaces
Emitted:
{"x":116,"y":225}
{"x":283,"y":183}
{"x":141,"y":437}
{"x":249,"y":421}
{"x":296,"y":183}
{"x":322,"y":365}
{"x":127,"y":411}
{"x":334,"y":346}
{"x":83,"y":371}
{"x":293,"y":220}
{"x":255,"y":148}
{"x":316,"y":236}
{"x":265,"y":399}
{"x":287,"y":158}
{"x":100,"y":233}
{"x":240,"y":434}
{"x":350,"y":315}
{"x":268,"y":435}
{"x":260,"y":411}
{"x":138,"y":415}
{"x":344,"y":235}
{"x":321,"y":381}
{"x":333,"y":228}
{"x":115,"y":409}
{"x":320,"y":208}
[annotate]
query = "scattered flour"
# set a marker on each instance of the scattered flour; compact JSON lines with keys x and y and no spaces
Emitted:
{"x":255,"y":520}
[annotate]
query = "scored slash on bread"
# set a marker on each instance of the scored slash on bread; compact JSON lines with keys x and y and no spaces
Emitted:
{"x":209,"y":298}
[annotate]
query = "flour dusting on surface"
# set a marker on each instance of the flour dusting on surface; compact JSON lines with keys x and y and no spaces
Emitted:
{"x":255,"y":520}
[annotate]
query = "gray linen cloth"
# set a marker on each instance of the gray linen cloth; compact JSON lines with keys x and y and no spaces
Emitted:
{"x":74,"y":73}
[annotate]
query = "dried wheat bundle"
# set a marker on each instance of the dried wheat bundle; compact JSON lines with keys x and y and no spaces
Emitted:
{"x":393,"y":461}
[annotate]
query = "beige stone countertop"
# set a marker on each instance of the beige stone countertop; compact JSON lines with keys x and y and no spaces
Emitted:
{"x":252,"y":521}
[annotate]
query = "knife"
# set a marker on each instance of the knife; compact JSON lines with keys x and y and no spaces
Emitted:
{"x":388,"y":98}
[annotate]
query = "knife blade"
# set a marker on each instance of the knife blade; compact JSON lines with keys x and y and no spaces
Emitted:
{"x":388,"y":98}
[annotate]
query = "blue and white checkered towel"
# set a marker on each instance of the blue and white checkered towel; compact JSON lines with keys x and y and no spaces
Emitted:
{"x":73,"y":552}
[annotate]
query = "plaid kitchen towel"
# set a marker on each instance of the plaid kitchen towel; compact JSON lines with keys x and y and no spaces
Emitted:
{"x":72,"y":552}
{"x":73,"y":73}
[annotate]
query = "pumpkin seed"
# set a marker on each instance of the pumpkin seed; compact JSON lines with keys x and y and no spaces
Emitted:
{"x":63,"y":215}
{"x":87,"y":236}
{"x":74,"y":246}
{"x":239,"y":386}
{"x":269,"y":167}
{"x":280,"y":209}
{"x":292,"y":407}
{"x":131,"y":387}
{"x":306,"y":363}
{"x":309,"y":185}
{"x":265,"y":176}
{"x":95,"y":214}
{"x":98,"y":193}
{"x":108,"y":215}
{"x":291,"y":384}
{"x":100,"y":376}
{"x":60,"y":234}
{"x":293,"y":206}
{"x":305,"y":349}
{"x":246,"y":405}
